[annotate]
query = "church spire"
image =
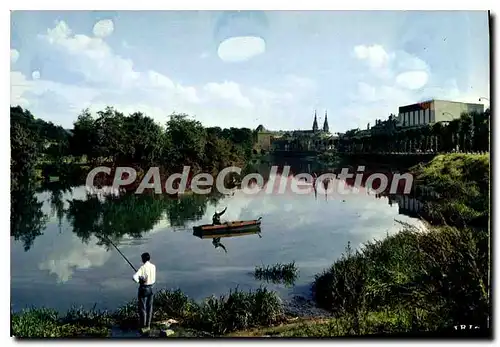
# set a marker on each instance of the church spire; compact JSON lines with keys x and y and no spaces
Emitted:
{"x":315,"y":123}
{"x":325,"y":124}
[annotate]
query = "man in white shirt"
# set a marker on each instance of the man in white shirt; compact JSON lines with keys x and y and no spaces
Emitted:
{"x":146,"y":277}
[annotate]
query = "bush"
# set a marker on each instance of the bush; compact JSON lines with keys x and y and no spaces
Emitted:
{"x":92,"y":318}
{"x":172,"y":304}
{"x":127,"y":316}
{"x":42,"y":322}
{"x":433,"y":279}
{"x":238,"y":310}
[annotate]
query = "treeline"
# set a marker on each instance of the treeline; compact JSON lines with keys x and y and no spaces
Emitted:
{"x":469,"y":133}
{"x":114,"y":138}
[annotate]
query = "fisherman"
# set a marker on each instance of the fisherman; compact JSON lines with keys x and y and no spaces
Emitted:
{"x":146,"y":277}
{"x":216,"y":217}
{"x":216,"y":243}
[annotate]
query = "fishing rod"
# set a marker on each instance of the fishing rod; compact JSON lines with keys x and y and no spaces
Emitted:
{"x":124,"y":257}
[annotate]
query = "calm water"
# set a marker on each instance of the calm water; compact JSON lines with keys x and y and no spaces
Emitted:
{"x":66,"y":264}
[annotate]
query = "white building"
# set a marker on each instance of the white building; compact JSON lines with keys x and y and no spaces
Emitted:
{"x":433,"y":111}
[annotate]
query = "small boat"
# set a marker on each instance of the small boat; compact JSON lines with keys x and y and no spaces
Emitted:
{"x":221,"y":234}
{"x":228,"y":227}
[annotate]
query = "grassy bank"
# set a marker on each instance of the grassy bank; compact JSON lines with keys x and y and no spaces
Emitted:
{"x":215,"y":316}
{"x":456,"y":189}
{"x":417,"y":280}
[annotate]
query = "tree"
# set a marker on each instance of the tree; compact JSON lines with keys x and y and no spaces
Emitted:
{"x":437,"y":133}
{"x":218,"y":153}
{"x":84,"y":139}
{"x":24,"y":151}
{"x":144,"y":139}
{"x":111,"y":136}
{"x":186,"y":139}
{"x":453,"y":131}
{"x":466,"y":131}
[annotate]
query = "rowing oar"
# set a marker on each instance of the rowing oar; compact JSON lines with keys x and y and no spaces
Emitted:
{"x":124,"y":257}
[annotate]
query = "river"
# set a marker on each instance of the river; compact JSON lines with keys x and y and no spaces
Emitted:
{"x":57,"y":261}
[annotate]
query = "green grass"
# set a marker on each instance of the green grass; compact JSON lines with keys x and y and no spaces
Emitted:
{"x":43,"y":322}
{"x":461,"y":182}
{"x":278,"y":273}
{"x":214,"y":316}
{"x":435,"y":279}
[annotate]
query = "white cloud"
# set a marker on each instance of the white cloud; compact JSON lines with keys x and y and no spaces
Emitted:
{"x":126,"y":45}
{"x":35,"y":75}
{"x":18,"y":86}
{"x":393,"y":79}
{"x":91,"y":57}
{"x":412,"y":79}
{"x":76,"y":256}
{"x":375,"y":55}
{"x":229,"y":91}
{"x":14,"y":55}
{"x":161,"y":81}
{"x":297,"y":82}
{"x":238,"y":49}
{"x":103,"y":28}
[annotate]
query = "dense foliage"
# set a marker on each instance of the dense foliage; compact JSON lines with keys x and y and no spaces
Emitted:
{"x":214,"y":316}
{"x":429,"y":280}
{"x":113,"y":138}
{"x":455,"y":189}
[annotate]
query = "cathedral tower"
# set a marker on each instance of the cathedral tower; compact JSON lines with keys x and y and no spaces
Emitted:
{"x":315,"y":123}
{"x":325,"y":124}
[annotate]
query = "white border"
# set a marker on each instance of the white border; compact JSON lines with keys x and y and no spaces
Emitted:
{"x":194,"y":5}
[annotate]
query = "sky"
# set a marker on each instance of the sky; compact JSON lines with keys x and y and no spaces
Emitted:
{"x":245,"y":68}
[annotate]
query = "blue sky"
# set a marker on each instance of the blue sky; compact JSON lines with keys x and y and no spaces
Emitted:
{"x":246,"y":68}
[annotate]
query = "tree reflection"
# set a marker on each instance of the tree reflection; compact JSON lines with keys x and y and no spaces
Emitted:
{"x":112,"y":217}
{"x":191,"y":207}
{"x":27,"y":220}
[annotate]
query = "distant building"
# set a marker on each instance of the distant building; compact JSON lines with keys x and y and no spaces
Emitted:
{"x":434,"y":111}
{"x":314,"y":140}
{"x":265,"y":139}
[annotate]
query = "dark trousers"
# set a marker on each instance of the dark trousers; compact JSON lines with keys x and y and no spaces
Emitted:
{"x":145,"y":299}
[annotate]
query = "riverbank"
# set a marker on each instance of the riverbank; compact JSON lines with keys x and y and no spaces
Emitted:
{"x":425,"y":280}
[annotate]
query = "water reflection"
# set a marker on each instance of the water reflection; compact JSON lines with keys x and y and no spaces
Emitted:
{"x":27,"y":221}
{"x":65,"y":230}
{"x":216,"y":235}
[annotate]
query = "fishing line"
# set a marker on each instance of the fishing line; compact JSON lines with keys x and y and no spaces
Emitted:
{"x":124,"y":257}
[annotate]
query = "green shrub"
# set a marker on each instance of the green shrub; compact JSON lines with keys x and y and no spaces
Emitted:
{"x":172,"y":304}
{"x":42,"y":322}
{"x":127,"y":316}
{"x":238,"y":310}
{"x":433,"y":279}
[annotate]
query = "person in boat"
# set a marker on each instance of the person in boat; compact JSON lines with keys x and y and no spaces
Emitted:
{"x":216,"y":217}
{"x":146,"y":277}
{"x":216,"y":243}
